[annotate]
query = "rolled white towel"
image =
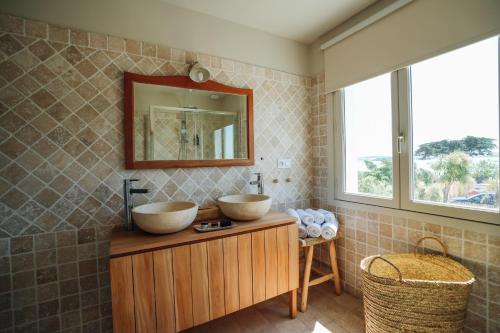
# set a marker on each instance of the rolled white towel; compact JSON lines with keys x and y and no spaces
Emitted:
{"x":305,"y":217}
{"x":302,"y":231}
{"x":293,"y":213}
{"x":329,"y":230}
{"x":313,"y":230}
{"x":329,"y":216}
{"x":318,"y":217}
{"x":302,"y":228}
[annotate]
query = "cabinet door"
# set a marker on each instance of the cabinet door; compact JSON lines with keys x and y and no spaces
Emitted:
{"x":271,"y":263}
{"x":122,"y":294}
{"x":181,"y":257}
{"x":231,"y":281}
{"x":216,"y":278}
{"x":245,"y":269}
{"x":164,"y":291}
{"x":282,"y":246}
{"x":259,"y":266}
{"x":199,"y":283}
{"x":144,"y":289}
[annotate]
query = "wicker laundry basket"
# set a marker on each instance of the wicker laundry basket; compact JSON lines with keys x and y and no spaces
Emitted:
{"x":412,"y":292}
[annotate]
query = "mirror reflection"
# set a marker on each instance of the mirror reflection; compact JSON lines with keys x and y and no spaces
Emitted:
{"x":172,"y":123}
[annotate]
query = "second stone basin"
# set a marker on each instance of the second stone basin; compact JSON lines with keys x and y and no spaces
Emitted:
{"x":245,"y":207}
{"x":165,"y":217}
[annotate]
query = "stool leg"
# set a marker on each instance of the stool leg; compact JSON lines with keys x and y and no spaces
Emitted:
{"x":307,"y":275}
{"x":335,"y":270}
{"x":293,"y":303}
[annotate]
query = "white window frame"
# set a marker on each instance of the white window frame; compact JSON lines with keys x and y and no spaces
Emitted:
{"x":340,"y":192}
{"x":402,"y":151}
{"x":406,"y":164}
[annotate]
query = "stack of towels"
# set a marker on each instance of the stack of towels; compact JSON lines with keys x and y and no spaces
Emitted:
{"x":315,"y":223}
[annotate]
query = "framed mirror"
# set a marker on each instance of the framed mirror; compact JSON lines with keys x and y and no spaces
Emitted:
{"x":174,"y":122}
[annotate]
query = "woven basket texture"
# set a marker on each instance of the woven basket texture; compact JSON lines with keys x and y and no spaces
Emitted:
{"x":415,"y":293}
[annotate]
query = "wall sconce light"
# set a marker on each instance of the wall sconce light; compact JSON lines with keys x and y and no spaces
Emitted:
{"x":198,"y":73}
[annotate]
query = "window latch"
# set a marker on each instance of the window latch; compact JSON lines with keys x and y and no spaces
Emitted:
{"x":401,"y":139}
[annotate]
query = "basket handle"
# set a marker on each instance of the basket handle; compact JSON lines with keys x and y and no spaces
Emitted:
{"x":443,"y":246}
{"x":387,"y":261}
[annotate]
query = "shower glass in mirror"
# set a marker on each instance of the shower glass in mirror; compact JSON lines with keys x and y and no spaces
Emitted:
{"x":172,"y":123}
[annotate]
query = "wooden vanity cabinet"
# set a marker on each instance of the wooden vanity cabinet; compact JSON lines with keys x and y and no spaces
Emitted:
{"x":201,"y":277}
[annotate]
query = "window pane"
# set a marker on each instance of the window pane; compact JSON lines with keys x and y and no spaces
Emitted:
{"x":229,"y":141}
{"x":456,"y":127}
{"x":368,"y":138}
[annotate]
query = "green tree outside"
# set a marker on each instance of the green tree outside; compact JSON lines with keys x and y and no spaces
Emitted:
{"x":472,"y":145}
{"x":484,"y":170}
{"x":452,"y":168}
{"x":377,"y":179}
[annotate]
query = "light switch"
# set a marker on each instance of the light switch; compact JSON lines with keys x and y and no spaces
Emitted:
{"x":284,"y":163}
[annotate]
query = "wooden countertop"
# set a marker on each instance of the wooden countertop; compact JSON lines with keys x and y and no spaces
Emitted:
{"x":130,"y":242}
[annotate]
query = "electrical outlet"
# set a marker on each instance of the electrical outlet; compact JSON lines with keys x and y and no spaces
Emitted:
{"x":284,"y":163}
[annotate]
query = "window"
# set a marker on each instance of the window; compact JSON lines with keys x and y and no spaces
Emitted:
{"x":229,"y":141}
{"x":218,"y":144}
{"x":424,"y":138}
{"x":368,"y":163}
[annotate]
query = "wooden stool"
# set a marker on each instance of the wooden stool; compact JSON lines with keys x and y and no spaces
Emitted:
{"x":308,"y":246}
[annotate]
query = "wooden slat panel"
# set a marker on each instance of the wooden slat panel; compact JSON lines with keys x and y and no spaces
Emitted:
{"x":245,"y":270}
{"x":144,"y":292}
{"x":181,"y":258}
{"x":164,"y":291}
{"x":283,"y":262}
{"x":232,"y":296}
{"x":271,"y":263}
{"x":293,"y":256}
{"x":199,"y":273}
{"x":258,"y":266}
{"x":122,"y":294}
{"x":216,"y":278}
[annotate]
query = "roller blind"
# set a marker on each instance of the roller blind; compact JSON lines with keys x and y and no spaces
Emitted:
{"x":420,"y":30}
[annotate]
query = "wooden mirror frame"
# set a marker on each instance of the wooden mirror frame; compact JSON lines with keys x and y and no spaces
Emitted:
{"x":181,"y":82}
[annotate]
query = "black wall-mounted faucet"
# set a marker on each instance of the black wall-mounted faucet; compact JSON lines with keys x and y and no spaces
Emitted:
{"x":128,"y":190}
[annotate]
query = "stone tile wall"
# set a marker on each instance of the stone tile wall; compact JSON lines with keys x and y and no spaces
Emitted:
{"x":62,"y":166}
{"x":367,"y":232}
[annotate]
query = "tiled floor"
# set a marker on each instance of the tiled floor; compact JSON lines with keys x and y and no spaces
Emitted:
{"x":326,"y":313}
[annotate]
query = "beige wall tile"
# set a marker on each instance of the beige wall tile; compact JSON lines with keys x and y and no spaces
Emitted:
{"x":474,"y":251}
{"x":148,"y":49}
{"x":98,"y":41}
{"x":80,"y":38}
{"x":385,"y":230}
{"x":475,"y":236}
{"x":58,"y":34}
{"x":116,"y":44}
{"x":494,"y":255}
{"x":132,"y":46}
{"x":454,"y":232}
{"x":164,"y":52}
{"x":432,"y":229}
{"x":178,"y":55}
{"x":11,"y":24}
{"x":36,"y":29}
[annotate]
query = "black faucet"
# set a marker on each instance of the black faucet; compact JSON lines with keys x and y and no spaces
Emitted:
{"x":128,"y":190}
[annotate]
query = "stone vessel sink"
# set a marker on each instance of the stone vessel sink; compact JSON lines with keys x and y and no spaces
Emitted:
{"x":245,"y":207}
{"x":164,"y":217}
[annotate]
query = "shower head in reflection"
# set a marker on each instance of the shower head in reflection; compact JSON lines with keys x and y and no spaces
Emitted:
{"x":198,"y":73}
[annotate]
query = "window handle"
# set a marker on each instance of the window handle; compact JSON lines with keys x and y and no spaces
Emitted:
{"x":401,"y":139}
